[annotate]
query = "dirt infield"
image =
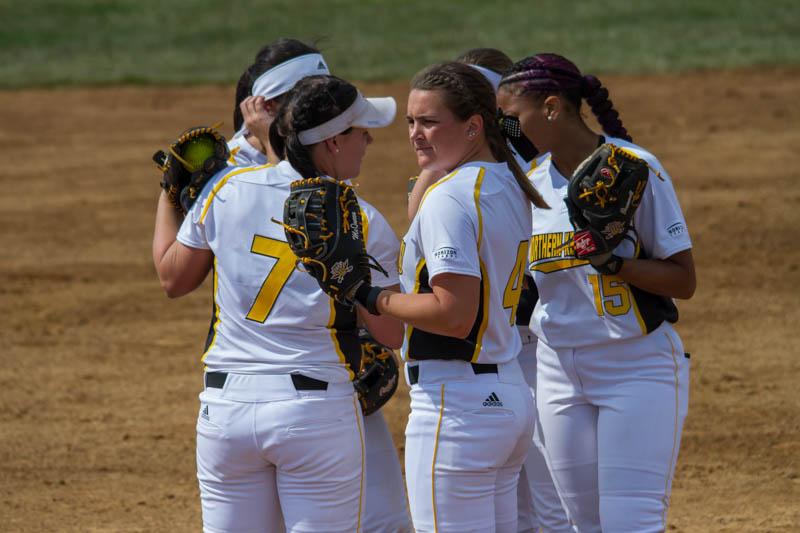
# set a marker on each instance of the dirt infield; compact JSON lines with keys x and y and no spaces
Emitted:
{"x":100,"y":371}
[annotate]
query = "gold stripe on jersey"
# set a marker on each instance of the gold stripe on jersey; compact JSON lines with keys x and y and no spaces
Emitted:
{"x":477,"y":195}
{"x":410,"y":328}
{"x":550,"y":252}
{"x":444,"y":179}
{"x":484,"y":277}
{"x":485,"y":321}
{"x":336,"y":346}
{"x":232,"y":158}
{"x":638,"y":315}
{"x":216,"y":314}
{"x":223,"y":181}
{"x":365,"y":226}
{"x":400,"y":257}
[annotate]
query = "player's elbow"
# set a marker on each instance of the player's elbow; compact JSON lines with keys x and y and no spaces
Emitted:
{"x":458,"y":326}
{"x":687,"y":290}
{"x":172,"y":289}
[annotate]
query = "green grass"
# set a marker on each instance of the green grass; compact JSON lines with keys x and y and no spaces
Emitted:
{"x":98,"y":42}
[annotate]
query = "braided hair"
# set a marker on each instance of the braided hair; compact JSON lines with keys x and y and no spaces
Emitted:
{"x":271,"y":55}
{"x":544,"y":75}
{"x":314,"y":100}
{"x":466,"y":92}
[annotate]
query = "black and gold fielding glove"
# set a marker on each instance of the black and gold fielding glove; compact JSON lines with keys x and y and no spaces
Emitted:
{"x":376,"y":380}
{"x":189,"y":162}
{"x":323,"y":226}
{"x":602,"y":197}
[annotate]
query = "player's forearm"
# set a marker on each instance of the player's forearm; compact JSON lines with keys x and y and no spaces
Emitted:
{"x":673,"y":277}
{"x":427,"y":312}
{"x":385,"y":329}
{"x":168,"y":220}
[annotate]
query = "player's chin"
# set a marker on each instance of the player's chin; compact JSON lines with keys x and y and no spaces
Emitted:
{"x":426,"y":160}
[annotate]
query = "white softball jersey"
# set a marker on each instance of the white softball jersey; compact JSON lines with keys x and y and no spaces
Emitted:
{"x":244,"y":154}
{"x":270,"y":317}
{"x":578,"y":306}
{"x":474,"y":222}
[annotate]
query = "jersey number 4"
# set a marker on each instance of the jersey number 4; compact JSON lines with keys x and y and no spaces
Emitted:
{"x":513,"y":289}
{"x":276,"y":278}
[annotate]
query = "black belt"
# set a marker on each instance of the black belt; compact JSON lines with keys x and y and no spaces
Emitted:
{"x":216,"y":380}
{"x":478,"y":368}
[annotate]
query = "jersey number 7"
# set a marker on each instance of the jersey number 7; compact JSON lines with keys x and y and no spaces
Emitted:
{"x":276,"y":278}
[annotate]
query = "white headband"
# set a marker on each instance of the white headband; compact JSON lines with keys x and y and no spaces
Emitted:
{"x":363,"y":113}
{"x":493,"y":77}
{"x":281,"y":78}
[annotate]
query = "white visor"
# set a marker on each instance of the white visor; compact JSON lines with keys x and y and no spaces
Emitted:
{"x":363,"y":113}
{"x":493,"y":77}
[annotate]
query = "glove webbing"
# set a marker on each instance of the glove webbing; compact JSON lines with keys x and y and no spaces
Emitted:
{"x":601,"y":188}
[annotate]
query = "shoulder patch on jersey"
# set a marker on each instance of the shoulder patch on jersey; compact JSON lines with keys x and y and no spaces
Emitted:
{"x":445,"y":252}
{"x":676,"y":230}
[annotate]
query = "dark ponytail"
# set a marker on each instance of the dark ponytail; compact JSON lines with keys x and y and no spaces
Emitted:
{"x":466,"y":92}
{"x":597,"y":97}
{"x":313,"y":101}
{"x":544,"y":75}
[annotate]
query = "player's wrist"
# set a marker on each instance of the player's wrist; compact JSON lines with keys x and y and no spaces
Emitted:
{"x":611,"y":266}
{"x":367,"y":296}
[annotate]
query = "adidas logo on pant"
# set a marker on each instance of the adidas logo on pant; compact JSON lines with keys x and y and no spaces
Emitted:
{"x":492,"y":401}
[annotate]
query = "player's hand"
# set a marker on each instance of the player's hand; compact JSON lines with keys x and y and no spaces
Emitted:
{"x":256,"y":117}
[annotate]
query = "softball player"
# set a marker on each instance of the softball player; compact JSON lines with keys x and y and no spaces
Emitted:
{"x":280,"y":431}
{"x":261,"y":89}
{"x":612,"y":378}
{"x":462,"y":263}
{"x":539,"y":507}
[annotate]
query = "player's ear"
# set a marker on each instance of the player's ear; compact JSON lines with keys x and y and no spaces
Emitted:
{"x":474,"y":126}
{"x":551,"y":107}
{"x":332,"y":144}
{"x":272,"y":107}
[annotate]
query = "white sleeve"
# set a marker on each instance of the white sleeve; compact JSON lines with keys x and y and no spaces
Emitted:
{"x":243,"y":154}
{"x":198,"y":228}
{"x":659,"y":219}
{"x":449,"y":235}
{"x":382,"y":244}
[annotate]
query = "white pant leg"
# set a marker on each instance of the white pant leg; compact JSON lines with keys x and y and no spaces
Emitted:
{"x":464,"y":453}
{"x":539,"y":505}
{"x":260,"y":442}
{"x":611,"y":418}
{"x":568,"y":431}
{"x":238,"y":492}
{"x":385,"y":507}
{"x":639,"y":429}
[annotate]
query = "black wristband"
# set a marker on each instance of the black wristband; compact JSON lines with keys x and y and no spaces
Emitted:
{"x":367,"y":295}
{"x":610,"y":267}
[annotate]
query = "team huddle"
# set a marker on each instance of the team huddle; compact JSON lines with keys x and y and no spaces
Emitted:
{"x":531,"y":299}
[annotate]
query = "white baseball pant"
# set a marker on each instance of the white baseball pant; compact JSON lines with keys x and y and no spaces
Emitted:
{"x":611,"y":418}
{"x":266,"y":450}
{"x":466,"y":439}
